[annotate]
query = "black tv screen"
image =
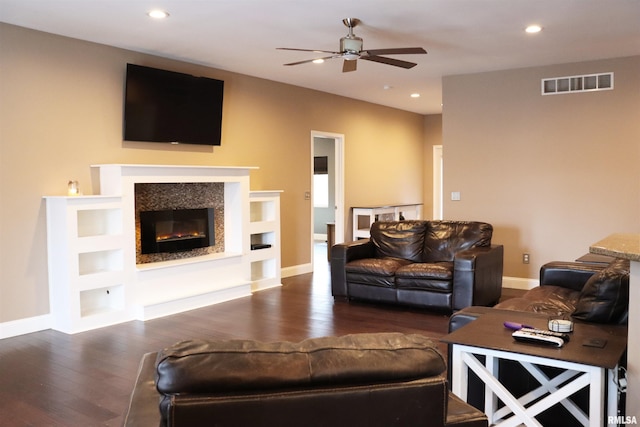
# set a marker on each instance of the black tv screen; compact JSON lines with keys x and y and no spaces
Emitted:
{"x":165,"y":106}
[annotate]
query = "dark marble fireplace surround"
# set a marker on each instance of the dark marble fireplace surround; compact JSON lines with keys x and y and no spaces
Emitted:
{"x":174,"y":196}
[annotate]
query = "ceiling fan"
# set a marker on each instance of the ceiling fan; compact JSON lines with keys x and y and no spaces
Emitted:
{"x":351,"y":50}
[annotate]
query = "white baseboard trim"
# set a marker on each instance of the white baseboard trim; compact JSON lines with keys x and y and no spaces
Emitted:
{"x":296,"y":270}
{"x":162,"y":309}
{"x":25,"y":326}
{"x":519,"y":283}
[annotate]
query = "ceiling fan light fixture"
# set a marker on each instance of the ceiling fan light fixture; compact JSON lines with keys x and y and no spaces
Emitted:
{"x":158,"y":14}
{"x":533,"y":29}
{"x":351,"y":56}
{"x":350,"y":44}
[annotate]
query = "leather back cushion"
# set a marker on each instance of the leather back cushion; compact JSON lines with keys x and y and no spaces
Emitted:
{"x":399,"y":239}
{"x":605,"y":296}
{"x":199,"y":366}
{"x":444,"y":238}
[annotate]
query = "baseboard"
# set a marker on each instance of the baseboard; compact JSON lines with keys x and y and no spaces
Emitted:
{"x":25,"y":326}
{"x":296,"y":270}
{"x":519,"y":283}
{"x":167,"y":308}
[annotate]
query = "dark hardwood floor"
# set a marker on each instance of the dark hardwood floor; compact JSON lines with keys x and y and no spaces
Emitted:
{"x":49,"y":378}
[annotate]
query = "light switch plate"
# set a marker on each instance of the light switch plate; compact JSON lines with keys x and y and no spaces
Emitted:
{"x":455,"y":195}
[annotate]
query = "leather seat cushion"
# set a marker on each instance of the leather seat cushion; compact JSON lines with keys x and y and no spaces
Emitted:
{"x":436,"y":277}
{"x":549,"y":299}
{"x":422,"y":270}
{"x":374,"y":271}
{"x":200,"y":366}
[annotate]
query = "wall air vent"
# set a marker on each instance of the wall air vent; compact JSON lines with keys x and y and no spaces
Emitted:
{"x":573,"y":84}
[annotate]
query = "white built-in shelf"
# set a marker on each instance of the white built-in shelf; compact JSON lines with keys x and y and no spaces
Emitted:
{"x":86,"y":262}
{"x":264,"y":229}
{"x":94,"y":280}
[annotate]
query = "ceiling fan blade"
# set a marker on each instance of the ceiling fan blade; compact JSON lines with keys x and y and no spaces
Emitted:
{"x":396,"y":51}
{"x":349,"y":65}
{"x":390,"y":61}
{"x":306,"y":61}
{"x":307,"y":50}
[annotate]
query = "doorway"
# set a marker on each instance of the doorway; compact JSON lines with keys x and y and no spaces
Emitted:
{"x":437,"y":182}
{"x":327,"y":207}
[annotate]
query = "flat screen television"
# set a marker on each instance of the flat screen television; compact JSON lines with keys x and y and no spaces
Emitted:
{"x":165,"y":106}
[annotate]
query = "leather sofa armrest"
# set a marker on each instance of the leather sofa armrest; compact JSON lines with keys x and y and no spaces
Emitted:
{"x":477,"y":276}
{"x":572,"y":275}
{"x":343,"y":253}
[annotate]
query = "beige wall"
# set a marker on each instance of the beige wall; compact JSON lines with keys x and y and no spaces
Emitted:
{"x":61,"y":111}
{"x":553,"y":174}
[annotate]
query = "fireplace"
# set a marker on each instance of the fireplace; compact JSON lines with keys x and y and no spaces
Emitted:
{"x":176,"y":230}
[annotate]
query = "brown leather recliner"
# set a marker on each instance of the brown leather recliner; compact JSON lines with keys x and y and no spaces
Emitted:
{"x":445,"y":265}
{"x":382,"y":379}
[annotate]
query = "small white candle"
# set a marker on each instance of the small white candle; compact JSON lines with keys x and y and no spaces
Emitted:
{"x":73,"y":189}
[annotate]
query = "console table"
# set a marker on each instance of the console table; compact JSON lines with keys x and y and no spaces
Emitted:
{"x":364,"y":216}
{"x":582,"y":367}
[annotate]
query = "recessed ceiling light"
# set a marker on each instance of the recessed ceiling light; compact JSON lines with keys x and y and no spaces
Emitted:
{"x":318,"y":61}
{"x":387,"y":87}
{"x":158,"y":14}
{"x":532,"y":29}
{"x":415,"y":95}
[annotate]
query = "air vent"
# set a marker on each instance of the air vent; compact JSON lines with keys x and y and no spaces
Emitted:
{"x":573,"y":84}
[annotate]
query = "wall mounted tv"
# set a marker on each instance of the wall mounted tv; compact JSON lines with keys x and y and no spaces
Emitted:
{"x":165,"y":106}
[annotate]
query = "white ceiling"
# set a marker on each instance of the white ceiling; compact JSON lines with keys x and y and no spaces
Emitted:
{"x":461,"y":36}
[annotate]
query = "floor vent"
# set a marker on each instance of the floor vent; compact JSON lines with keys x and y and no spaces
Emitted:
{"x":573,"y":84}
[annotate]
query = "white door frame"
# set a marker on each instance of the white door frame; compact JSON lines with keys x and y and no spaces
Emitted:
{"x":339,"y":184}
{"x":437,"y":182}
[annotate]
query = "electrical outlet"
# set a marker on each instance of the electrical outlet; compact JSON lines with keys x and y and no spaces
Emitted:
{"x":307,"y":195}
{"x":525,"y":258}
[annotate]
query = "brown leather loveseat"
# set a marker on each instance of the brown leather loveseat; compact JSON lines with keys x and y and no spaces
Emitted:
{"x":445,"y":265}
{"x":378,"y":379}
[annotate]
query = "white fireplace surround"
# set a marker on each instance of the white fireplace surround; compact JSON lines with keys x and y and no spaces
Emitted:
{"x":94,"y":280}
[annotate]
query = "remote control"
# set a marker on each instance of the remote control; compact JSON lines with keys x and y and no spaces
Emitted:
{"x":534,"y":338}
{"x":565,"y":337}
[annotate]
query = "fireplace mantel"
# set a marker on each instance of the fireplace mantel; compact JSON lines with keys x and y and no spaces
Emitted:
{"x":94,"y":280}
{"x":109,"y":179}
